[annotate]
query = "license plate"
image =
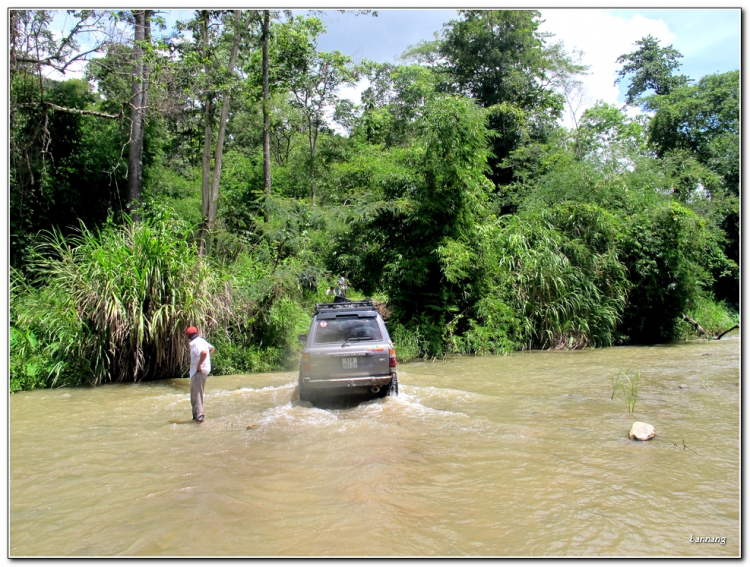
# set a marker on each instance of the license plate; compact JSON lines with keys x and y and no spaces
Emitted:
{"x":349,"y":362}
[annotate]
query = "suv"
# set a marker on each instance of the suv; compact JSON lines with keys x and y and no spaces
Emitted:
{"x":347,"y":351}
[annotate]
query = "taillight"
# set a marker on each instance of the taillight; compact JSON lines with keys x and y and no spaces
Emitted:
{"x":392,"y":358}
{"x":305,"y":363}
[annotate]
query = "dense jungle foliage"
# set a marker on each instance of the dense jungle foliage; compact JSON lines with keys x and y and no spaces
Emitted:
{"x":214,"y":177}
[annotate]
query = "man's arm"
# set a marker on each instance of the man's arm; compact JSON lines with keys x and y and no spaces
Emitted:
{"x":204,"y":354}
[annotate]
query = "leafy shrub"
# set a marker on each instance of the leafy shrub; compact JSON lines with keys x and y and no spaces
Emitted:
{"x":233,"y":357}
{"x":409,"y":342}
{"x":494,"y":329}
{"x":561,"y":272}
{"x":43,"y":334}
{"x":663,"y":252}
{"x":285,"y":321}
{"x":27,"y":361}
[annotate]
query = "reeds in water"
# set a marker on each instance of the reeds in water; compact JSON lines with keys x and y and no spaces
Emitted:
{"x":629,"y":386}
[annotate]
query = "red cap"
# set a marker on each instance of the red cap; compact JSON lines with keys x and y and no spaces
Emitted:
{"x":191,"y":331}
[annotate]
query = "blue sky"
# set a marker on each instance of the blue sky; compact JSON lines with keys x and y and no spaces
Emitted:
{"x":708,"y":39}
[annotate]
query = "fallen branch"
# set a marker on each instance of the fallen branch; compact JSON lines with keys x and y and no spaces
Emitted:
{"x":701,"y":331}
{"x":725,"y":332}
{"x":698,"y":329}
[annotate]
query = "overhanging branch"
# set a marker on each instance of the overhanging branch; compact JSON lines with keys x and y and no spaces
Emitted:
{"x":70,"y":110}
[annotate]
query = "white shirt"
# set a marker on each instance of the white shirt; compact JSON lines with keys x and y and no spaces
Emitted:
{"x":198,"y":345}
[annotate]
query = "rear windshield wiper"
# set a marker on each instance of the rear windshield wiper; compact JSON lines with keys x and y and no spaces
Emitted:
{"x":347,"y":341}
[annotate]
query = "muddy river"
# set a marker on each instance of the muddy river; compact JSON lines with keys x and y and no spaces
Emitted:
{"x":523,"y":455}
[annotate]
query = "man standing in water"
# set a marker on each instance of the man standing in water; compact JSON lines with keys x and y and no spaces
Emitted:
{"x":200,"y":366}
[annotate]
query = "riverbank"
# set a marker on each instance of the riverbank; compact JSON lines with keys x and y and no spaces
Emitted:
{"x":233,"y":359}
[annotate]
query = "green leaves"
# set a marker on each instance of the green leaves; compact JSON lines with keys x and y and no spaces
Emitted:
{"x":425,"y":246}
{"x":606,"y":136}
{"x":456,"y":260}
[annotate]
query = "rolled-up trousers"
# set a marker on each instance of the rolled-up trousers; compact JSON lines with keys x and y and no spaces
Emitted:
{"x":197,"y":384}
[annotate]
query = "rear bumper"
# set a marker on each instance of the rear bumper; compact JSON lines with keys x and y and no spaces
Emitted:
{"x":353,"y":382}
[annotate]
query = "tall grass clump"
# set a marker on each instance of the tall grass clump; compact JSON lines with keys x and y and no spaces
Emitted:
{"x":134,"y":289}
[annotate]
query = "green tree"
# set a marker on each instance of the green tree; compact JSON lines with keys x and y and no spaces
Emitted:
{"x":313,"y":77}
{"x":665,"y":252}
{"x":607,"y":136}
{"x":47,"y":121}
{"x":700,"y":123}
{"x":499,"y":58}
{"x":396,"y":98}
{"x":703,"y":119}
{"x":431,"y":232}
{"x":652,"y":68}
{"x":63,"y":165}
{"x":212,"y":54}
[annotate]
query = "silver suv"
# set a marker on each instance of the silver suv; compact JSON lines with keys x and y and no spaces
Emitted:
{"x":347,"y":351}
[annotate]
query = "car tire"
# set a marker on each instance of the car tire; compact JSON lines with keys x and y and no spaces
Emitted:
{"x":304,"y":393}
{"x":393,"y":387}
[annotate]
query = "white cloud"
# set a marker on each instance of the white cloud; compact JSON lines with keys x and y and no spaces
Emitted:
{"x":603,"y":38}
{"x":354,"y":93}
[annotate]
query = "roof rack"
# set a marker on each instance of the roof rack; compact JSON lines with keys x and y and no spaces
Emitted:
{"x":365,"y":304}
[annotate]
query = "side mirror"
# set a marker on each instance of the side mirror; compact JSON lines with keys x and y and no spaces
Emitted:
{"x":302,"y":338}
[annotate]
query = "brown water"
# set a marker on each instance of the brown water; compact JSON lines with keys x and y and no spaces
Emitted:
{"x":519,"y":455}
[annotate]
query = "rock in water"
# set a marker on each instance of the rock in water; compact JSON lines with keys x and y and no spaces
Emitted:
{"x":642,"y":431}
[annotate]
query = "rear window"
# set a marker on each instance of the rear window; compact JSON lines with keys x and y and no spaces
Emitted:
{"x":347,"y":328}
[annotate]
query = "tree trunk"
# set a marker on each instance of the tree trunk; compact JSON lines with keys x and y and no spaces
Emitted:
{"x":313,"y":152}
{"x":145,"y":73}
{"x":212,"y":206}
{"x":13,"y":32}
{"x":266,"y":112}
{"x":135,"y":147}
{"x":206,"y":178}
